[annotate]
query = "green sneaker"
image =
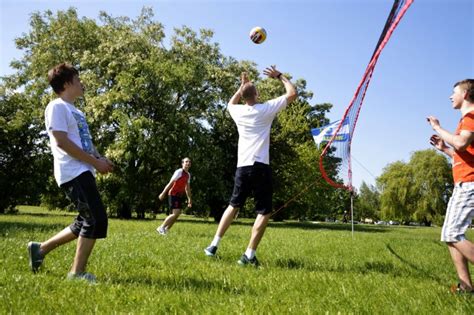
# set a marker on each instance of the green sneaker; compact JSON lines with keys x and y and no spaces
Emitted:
{"x":244,"y":260}
{"x":35,"y":257}
{"x":85,"y":276}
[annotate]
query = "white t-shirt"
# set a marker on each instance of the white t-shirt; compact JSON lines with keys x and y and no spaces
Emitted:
{"x":62,"y":116}
{"x":254,"y":124}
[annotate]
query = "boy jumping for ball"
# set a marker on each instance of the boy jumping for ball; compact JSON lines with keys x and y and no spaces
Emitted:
{"x":253,"y":174}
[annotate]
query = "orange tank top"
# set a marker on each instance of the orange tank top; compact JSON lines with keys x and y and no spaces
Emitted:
{"x":463,"y":161}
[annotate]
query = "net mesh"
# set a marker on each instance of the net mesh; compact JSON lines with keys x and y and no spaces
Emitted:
{"x":335,"y":159}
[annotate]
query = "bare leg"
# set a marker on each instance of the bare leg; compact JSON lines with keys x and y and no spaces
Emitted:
{"x":63,"y":237}
{"x":83,"y":251}
{"x":258,"y":230}
{"x":466,"y":248}
{"x":171,"y":219}
{"x":226,"y":220}
{"x":461,"y":264}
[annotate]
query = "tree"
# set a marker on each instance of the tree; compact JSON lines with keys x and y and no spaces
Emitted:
{"x":432,"y":186}
{"x":418,"y":190}
{"x":150,"y":103}
{"x":368,"y":202}
{"x":21,"y":153}
{"x":396,"y":200}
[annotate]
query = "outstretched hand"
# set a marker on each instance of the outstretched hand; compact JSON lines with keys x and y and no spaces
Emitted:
{"x":437,"y":142}
{"x":433,"y":121}
{"x":272,"y":72}
{"x":244,"y":78}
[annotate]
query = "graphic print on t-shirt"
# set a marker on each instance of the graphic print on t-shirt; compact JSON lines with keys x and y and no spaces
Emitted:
{"x":84,"y":134}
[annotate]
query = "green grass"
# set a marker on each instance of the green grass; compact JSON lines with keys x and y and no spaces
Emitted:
{"x":306,"y":268}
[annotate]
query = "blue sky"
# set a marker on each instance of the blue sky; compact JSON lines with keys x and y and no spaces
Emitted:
{"x":328,"y":43}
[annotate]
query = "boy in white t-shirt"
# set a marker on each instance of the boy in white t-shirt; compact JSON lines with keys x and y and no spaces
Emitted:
{"x":75,"y":162}
{"x":253,"y":175}
{"x":178,"y":186}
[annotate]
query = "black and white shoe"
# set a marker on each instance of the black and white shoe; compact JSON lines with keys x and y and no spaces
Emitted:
{"x":244,"y":260}
{"x":210,"y":251}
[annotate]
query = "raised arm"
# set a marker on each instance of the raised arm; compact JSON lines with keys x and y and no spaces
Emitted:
{"x":290,"y":94}
{"x":236,"y":97}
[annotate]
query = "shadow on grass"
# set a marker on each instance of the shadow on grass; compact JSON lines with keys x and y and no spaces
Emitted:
{"x":20,"y":227}
{"x":283,"y":225}
{"x":183,"y":283}
{"x":302,"y":225}
{"x":363,"y":268}
{"x":417,"y":270}
{"x":44,"y":214}
{"x":372,"y":266}
{"x":329,"y":226}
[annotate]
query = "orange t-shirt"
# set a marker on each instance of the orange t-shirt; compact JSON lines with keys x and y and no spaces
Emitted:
{"x":463,"y":161}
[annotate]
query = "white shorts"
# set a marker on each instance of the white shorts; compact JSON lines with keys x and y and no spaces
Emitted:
{"x":459,"y":213}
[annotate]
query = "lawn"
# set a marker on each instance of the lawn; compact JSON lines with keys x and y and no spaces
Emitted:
{"x":307,"y":268}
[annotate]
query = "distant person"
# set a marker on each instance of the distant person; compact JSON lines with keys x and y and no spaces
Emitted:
{"x":177,"y":188}
{"x":460,"y":147}
{"x":345,"y":217}
{"x":75,"y":162}
{"x":253,"y":174}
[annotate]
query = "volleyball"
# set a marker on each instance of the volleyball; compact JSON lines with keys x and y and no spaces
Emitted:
{"x":258,"y":35}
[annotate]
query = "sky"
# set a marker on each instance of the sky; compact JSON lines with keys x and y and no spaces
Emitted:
{"x":328,"y":43}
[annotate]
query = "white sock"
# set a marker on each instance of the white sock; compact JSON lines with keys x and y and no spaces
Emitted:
{"x":215,"y":241}
{"x":250,"y":253}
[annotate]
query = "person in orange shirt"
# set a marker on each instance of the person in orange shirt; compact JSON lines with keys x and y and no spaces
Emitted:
{"x":178,"y":186}
{"x":460,"y":147}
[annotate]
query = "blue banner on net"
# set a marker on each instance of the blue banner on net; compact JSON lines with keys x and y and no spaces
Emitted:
{"x":325,"y":133}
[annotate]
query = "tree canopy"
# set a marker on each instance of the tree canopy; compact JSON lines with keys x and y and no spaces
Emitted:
{"x":149,"y":102}
{"x":418,"y":190}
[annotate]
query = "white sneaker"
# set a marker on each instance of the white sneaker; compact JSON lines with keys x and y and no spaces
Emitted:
{"x":161,"y":231}
{"x":86,"y":276}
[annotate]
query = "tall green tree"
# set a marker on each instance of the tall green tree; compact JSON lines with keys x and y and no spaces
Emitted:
{"x":432,"y":186}
{"x":368,"y":202}
{"x":396,"y":200}
{"x":150,"y":102}
{"x":21,"y":151}
{"x":418,"y":190}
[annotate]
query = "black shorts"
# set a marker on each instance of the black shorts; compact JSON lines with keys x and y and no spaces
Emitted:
{"x":253,"y":180}
{"x":175,"y":202}
{"x":92,"y":220}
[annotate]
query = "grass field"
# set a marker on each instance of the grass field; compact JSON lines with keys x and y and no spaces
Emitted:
{"x":306,"y":269}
